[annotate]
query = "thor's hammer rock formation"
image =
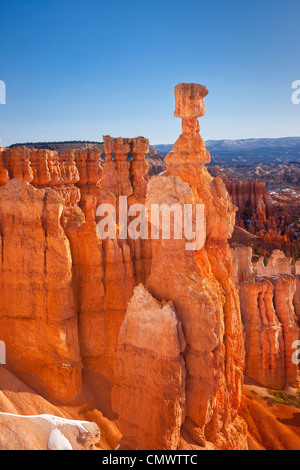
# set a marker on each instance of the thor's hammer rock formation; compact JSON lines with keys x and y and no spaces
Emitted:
{"x":200,"y":285}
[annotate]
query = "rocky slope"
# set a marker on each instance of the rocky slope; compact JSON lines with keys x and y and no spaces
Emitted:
{"x":277,"y":176}
{"x":273,"y":219}
{"x":18,"y":400}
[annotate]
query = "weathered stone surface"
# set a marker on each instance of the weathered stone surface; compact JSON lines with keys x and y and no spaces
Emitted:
{"x":251,"y":195}
{"x":103,"y":285}
{"x":46,"y":432}
{"x":138,"y":169}
{"x":90,"y":172}
{"x":296,"y":300}
{"x":149,"y":387}
{"x":104,"y":273}
{"x":201,"y":283}
{"x":189,"y":100}
{"x":16,"y":162}
{"x":270,"y":313}
{"x":284,"y":291}
{"x":37,"y":317}
{"x":119,"y":283}
{"x":3,"y":172}
{"x":109,"y":180}
{"x":121,"y":148}
{"x":40,"y":168}
{"x":89,"y":291}
{"x":242,"y":263}
{"x":278,"y":263}
{"x":264,"y":341}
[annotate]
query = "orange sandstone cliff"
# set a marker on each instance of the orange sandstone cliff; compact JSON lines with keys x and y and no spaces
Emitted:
{"x":269,"y":300}
{"x":152,"y":330}
{"x":37,"y":315}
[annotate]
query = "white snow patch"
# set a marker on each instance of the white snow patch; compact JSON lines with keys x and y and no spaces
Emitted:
{"x":57,"y":441}
{"x":55,"y":420}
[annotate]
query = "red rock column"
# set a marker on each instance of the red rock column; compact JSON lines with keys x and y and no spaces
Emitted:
{"x":90,"y":171}
{"x":54,"y":168}
{"x":80,"y":160}
{"x":94,"y":173}
{"x":69,"y":193}
{"x":121,"y":149}
{"x":109,"y":180}
{"x":72,"y":175}
{"x":139,"y":168}
{"x":284,"y":291}
{"x":115,"y":272}
{"x":200,"y":283}
{"x":17,"y":162}
{"x":4,"y":178}
{"x":39,"y":165}
{"x":141,"y":249}
{"x":88,"y":270}
{"x":264,"y":342}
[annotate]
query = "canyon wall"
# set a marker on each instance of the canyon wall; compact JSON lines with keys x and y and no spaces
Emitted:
{"x":275,"y":222}
{"x":161,"y":322}
{"x":60,"y":204}
{"x":269,"y":299}
{"x":37,"y":314}
{"x":251,"y":195}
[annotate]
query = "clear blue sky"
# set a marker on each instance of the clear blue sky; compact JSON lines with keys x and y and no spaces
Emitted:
{"x":78,"y":69}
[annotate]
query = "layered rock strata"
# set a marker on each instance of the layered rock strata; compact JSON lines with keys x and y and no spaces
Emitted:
{"x":251,"y":195}
{"x":101,"y":275}
{"x":269,"y":299}
{"x":175,"y":356}
{"x":37,"y":314}
{"x":149,"y":386}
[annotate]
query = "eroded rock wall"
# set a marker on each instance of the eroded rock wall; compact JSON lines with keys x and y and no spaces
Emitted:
{"x":251,"y":195}
{"x":149,"y":386}
{"x":269,"y":299}
{"x":104,"y":273}
{"x":37,"y":314}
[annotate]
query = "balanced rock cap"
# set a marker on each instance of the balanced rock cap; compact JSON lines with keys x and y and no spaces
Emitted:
{"x":189,"y":100}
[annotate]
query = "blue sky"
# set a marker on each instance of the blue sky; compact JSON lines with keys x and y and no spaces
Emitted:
{"x":79,"y":69}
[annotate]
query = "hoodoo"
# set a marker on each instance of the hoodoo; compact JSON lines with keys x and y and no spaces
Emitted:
{"x":200,"y":285}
